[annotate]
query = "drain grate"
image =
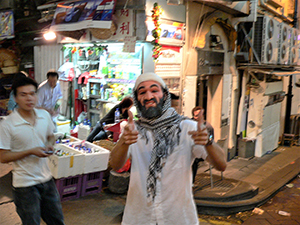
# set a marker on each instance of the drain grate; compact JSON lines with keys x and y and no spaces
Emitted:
{"x":203,"y":182}
{"x":222,"y":189}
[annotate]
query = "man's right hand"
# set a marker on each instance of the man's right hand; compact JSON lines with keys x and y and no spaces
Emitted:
{"x":130,"y":135}
{"x":39,"y":152}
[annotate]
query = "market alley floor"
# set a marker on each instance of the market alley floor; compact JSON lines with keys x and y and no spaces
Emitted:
{"x":106,"y":208}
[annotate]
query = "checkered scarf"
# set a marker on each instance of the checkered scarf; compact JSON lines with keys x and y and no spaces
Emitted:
{"x":166,"y":131}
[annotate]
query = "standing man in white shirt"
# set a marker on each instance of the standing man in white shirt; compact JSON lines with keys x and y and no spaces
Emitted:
{"x":27,"y":140}
{"x":50,"y":95}
{"x":162,"y":146}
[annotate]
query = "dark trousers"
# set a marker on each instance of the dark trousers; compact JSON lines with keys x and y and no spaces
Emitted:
{"x":195,"y":167}
{"x":97,"y":133}
{"x":41,"y":200}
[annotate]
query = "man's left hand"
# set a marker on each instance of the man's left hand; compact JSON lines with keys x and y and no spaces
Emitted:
{"x":201,"y":135}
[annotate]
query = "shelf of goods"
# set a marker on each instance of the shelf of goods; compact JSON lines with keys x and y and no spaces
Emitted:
{"x":111,"y":74}
{"x":104,"y":94}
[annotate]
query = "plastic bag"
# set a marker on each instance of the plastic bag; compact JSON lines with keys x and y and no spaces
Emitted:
{"x":125,"y":168}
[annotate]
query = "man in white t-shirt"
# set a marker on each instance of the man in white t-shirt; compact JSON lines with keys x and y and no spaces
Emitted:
{"x":162,"y":146}
{"x":50,"y":95}
{"x":27,"y":140}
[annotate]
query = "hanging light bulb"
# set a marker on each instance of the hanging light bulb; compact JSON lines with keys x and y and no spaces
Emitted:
{"x":49,"y":35}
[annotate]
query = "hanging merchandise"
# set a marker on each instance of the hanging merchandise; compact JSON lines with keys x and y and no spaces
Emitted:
{"x":107,"y":72}
{"x":84,"y":77}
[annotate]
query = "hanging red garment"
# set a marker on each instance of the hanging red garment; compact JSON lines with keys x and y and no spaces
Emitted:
{"x":71,"y":74}
{"x":84,"y":75}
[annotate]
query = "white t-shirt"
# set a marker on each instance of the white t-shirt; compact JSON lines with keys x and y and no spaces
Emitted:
{"x":174,"y":202}
{"x":18,"y":135}
{"x":47,"y":96}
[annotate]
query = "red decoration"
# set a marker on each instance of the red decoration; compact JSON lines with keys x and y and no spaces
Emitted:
{"x":156,"y":12}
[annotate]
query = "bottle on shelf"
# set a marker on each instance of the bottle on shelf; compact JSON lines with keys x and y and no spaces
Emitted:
{"x":85,"y":122}
{"x":102,"y":91}
{"x":117,"y":116}
{"x":89,"y":123}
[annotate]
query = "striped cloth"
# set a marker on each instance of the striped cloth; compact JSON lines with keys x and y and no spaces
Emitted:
{"x":166,"y":131}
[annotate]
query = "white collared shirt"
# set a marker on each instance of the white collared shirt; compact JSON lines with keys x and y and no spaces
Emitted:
{"x":48,"y":96}
{"x":174,"y":202}
{"x":18,"y":135}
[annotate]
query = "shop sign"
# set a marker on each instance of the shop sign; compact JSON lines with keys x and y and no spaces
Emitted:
{"x":172,"y":33}
{"x":169,"y":62}
{"x":124,"y":21}
{"x":129,"y":44}
{"x":170,"y":55}
{"x":82,"y":14}
{"x":7,"y":25}
{"x":210,"y":62}
{"x":125,"y":24}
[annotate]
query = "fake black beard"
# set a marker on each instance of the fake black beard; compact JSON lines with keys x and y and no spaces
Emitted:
{"x":151,"y":112}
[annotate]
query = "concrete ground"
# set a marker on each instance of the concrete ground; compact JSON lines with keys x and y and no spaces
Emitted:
{"x":272,"y":170}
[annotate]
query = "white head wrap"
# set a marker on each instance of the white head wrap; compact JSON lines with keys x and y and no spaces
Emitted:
{"x":149,"y":76}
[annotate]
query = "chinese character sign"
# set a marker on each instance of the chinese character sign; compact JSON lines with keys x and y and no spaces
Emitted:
{"x":124,"y":20}
{"x":6,"y":25}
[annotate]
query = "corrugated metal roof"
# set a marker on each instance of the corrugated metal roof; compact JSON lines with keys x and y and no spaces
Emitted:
{"x":46,"y":57}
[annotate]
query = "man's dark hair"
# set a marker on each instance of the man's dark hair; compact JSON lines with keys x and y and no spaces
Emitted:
{"x":23,"y":81}
{"x":52,"y":73}
{"x":174,"y":97}
{"x":195,"y":109}
{"x":20,"y":74}
{"x":126,"y":102}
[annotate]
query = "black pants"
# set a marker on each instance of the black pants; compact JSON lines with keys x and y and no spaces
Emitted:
{"x":98,"y":133}
{"x":41,"y":200}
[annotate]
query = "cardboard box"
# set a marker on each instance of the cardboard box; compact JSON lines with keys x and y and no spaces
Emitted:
{"x":66,"y":166}
{"x":93,"y":162}
{"x":83,"y":131}
{"x":63,"y":126}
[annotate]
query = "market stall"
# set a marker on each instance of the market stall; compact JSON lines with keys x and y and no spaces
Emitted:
{"x":103,"y":56}
{"x":77,"y":166}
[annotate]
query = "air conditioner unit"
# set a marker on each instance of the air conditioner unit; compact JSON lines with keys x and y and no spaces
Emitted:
{"x":262,"y":123}
{"x":266,"y":37}
{"x":284,"y":43}
{"x":294,"y":47}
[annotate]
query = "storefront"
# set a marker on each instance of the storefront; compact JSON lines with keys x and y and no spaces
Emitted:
{"x":99,"y":66}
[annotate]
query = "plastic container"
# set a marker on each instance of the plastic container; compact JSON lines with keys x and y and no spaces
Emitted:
{"x":91,"y":183}
{"x":117,"y":116}
{"x":93,"y":161}
{"x":67,"y":165}
{"x":69,"y":187}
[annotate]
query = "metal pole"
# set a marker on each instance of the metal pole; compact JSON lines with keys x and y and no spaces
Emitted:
{"x":295,"y":22}
{"x":288,"y":106}
{"x":211,"y":177}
